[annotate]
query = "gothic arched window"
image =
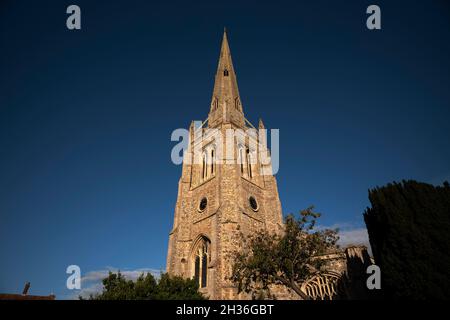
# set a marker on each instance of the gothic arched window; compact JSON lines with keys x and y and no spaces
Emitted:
{"x":249,"y":164}
{"x":225,"y":73}
{"x":324,"y":287}
{"x":237,"y":104}
{"x":241,"y":159}
{"x":213,"y":161}
{"x":201,"y":261}
{"x":204,"y":170}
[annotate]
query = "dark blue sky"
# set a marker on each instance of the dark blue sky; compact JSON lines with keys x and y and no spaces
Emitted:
{"x":86,"y":116}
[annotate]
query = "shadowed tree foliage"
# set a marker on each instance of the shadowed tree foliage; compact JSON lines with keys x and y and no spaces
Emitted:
{"x":178,"y":288}
{"x":285,"y":259}
{"x":146,"y":287}
{"x":409,"y":232}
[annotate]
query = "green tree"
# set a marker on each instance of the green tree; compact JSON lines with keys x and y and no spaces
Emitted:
{"x":116,"y":287}
{"x":285,"y":259}
{"x":178,"y":288}
{"x":146,"y":287}
{"x":408,"y":226}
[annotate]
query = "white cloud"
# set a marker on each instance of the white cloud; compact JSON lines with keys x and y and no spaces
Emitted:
{"x":356,"y":236}
{"x":98,"y":275}
{"x":349,"y":234}
{"x":91,"y":282}
{"x":86,"y":291}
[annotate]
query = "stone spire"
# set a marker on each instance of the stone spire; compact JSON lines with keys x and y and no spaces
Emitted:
{"x":226,"y":104}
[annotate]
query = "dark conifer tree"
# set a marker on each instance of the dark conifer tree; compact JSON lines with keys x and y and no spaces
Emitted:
{"x":409,"y":232}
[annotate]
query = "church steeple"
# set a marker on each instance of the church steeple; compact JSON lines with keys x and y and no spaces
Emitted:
{"x":226,"y":191}
{"x":226,"y":104}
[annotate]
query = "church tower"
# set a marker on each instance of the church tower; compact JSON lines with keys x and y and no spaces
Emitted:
{"x":226,"y":189}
